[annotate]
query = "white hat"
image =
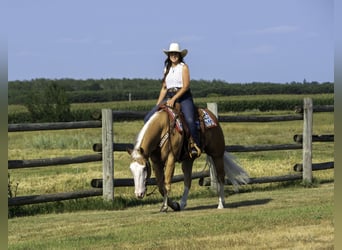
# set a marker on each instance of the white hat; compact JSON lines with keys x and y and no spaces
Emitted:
{"x":174,"y":47}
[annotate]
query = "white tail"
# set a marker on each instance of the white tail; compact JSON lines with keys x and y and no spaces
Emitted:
{"x":235,"y":174}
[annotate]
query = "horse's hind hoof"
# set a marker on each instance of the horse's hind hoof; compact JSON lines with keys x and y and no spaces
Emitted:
{"x":220,"y":206}
{"x":163,"y":209}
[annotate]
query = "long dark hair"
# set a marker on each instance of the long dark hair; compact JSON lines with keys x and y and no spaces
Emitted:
{"x":168,"y":63}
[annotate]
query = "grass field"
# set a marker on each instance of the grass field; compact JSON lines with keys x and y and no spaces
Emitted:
{"x":261,"y":216}
{"x":283,"y":218}
{"x":50,"y":144}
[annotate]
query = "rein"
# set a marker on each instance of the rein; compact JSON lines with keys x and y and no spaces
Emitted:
{"x":155,"y":188}
{"x":167,"y":135}
{"x":171,"y":125}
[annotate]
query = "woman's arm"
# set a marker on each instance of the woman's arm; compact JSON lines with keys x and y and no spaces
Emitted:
{"x":162,"y":93}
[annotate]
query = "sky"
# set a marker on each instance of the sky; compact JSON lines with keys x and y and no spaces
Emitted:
{"x":237,"y":41}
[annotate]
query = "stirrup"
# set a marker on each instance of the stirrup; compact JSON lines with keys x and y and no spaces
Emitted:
{"x":195,"y":151}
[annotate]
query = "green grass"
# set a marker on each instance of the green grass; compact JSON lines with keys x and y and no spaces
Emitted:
{"x":286,"y":218}
{"x":50,"y":144}
{"x":75,"y":177}
{"x":262,"y":216}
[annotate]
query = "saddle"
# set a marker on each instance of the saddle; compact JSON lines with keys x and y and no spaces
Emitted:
{"x":204,"y":120}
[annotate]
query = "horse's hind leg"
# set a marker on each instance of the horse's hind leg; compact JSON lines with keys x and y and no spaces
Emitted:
{"x":187,"y":169}
{"x":220,"y":174}
{"x":220,"y":192}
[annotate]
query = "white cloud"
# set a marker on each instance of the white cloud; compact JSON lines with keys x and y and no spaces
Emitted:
{"x":262,"y":49}
{"x":74,"y":40}
{"x":281,"y":29}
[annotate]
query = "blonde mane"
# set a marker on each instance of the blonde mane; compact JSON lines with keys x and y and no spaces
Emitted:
{"x":142,"y":132}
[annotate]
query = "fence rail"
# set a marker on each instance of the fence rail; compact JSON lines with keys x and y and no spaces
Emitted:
{"x":15,"y":164}
{"x":97,"y":184}
{"x":121,"y":147}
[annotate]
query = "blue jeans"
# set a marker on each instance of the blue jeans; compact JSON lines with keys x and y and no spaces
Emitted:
{"x":188,"y":109}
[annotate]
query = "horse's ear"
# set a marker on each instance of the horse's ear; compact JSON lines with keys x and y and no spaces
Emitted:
{"x":129,"y":150}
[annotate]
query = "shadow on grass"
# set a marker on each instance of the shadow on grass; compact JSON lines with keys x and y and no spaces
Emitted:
{"x":120,"y":203}
{"x":248,"y":203}
{"x":74,"y":205}
{"x":233,"y":205}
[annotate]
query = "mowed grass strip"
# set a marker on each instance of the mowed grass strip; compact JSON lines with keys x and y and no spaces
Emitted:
{"x":287,"y":218}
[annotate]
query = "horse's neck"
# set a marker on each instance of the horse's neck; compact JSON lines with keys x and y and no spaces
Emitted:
{"x":154,"y":132}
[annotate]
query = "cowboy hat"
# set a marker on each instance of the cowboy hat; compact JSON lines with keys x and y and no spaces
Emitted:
{"x":174,"y":47}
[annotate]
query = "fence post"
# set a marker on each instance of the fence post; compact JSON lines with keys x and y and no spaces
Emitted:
{"x":212,"y":106}
{"x":307,"y":140}
{"x":107,"y":155}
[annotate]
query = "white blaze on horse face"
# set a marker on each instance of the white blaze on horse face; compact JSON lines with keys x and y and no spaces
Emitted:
{"x":139,"y":175}
{"x":138,"y":170}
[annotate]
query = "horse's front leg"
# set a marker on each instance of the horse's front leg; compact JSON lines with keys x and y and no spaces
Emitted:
{"x":159,"y":172}
{"x":158,"y":168}
{"x":168,"y":202}
{"x":187,"y":170}
{"x":168,"y":174}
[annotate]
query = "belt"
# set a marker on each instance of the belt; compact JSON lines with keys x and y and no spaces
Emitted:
{"x":173,"y":90}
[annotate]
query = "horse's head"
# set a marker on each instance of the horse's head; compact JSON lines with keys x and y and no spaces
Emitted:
{"x":141,"y":170}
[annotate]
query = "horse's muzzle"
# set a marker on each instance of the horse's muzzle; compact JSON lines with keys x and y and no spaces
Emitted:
{"x":140,"y":195}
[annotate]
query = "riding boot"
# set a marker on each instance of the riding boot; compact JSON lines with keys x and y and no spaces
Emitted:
{"x":194,"y":151}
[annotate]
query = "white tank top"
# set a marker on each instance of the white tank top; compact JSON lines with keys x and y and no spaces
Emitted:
{"x":174,"y":78}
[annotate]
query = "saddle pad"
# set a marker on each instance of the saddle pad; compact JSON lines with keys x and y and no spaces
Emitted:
{"x":209,"y":122}
{"x":172,"y":115}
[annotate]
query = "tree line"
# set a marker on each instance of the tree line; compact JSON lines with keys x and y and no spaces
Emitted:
{"x":50,"y":100}
{"x":107,"y":90}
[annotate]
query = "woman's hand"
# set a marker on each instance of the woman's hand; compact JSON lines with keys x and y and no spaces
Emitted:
{"x":170,"y":103}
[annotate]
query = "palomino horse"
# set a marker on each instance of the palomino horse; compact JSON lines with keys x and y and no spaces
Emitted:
{"x":159,"y":141}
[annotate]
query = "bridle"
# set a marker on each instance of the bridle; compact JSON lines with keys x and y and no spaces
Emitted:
{"x":146,"y":168}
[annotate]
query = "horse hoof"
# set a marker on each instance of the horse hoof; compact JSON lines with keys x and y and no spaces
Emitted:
{"x":182,"y":206}
{"x":176,"y":206}
{"x":163,"y":209}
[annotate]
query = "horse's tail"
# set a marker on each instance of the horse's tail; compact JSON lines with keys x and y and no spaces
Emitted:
{"x":235,"y":173}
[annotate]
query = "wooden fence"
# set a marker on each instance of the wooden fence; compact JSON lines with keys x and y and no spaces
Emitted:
{"x":105,"y":185}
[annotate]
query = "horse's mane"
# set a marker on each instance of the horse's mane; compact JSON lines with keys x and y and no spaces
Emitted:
{"x":143,"y":131}
{"x":145,"y":128}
